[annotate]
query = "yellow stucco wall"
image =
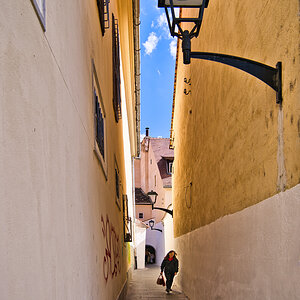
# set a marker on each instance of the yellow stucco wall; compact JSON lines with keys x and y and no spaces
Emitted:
{"x":55,"y":195}
{"x":228,"y":129}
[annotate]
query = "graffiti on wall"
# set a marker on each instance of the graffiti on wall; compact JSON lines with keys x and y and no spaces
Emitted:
{"x":111,"y":260}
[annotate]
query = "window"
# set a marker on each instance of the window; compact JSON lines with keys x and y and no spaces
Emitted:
{"x":99,"y":119}
{"x":118,"y":185}
{"x":169,"y":167}
{"x":103,"y":11}
{"x":127,"y":221}
{"x":116,"y":69}
{"x":141,"y":215}
{"x":99,"y":124}
{"x":154,"y":180}
{"x":40,"y":9}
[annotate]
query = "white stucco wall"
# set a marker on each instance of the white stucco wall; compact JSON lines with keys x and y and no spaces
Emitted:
{"x":128,"y":160}
{"x":168,"y":223}
{"x":155,"y":239}
{"x":252,"y":254}
{"x":169,"y":233}
{"x":139,"y":242}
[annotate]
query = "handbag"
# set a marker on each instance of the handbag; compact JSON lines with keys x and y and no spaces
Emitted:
{"x":160,"y":280}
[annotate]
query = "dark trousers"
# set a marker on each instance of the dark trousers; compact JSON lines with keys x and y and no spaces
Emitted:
{"x":170,"y":277}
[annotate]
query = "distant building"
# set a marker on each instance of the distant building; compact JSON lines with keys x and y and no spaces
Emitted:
{"x":143,"y":205}
{"x":153,"y":172}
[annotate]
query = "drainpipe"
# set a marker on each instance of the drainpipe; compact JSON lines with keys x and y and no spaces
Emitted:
{"x":137,"y":69}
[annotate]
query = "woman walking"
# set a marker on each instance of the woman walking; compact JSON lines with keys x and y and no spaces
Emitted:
{"x":170,"y":266}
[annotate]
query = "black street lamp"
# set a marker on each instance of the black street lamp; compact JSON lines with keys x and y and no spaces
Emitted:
{"x":271,"y":76}
{"x":154,"y":195}
{"x":151,"y":224}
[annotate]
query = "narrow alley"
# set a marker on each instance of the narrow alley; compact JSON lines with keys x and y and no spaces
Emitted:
{"x":143,"y":133}
{"x":143,"y":286}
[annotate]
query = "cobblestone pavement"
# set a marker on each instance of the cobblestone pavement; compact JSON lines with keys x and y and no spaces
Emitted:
{"x":143,"y":286}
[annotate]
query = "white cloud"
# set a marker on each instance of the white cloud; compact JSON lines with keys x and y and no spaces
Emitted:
{"x":151,"y":43}
{"x":162,"y":20}
{"x":155,"y":5}
{"x":162,"y":23}
{"x":142,"y":136}
{"x":158,"y":72}
{"x":173,"y":48}
{"x":152,"y":24}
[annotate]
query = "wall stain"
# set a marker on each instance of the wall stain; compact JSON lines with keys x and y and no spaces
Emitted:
{"x":292,"y":85}
{"x":267,"y":122}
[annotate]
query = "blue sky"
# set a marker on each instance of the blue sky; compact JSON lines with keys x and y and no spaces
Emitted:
{"x":158,"y":50}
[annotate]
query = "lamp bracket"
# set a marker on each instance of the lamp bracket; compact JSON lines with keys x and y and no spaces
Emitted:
{"x":156,"y":229}
{"x":164,"y":209}
{"x":269,"y":75}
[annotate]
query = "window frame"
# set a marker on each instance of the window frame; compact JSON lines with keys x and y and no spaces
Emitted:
{"x":103,"y":13}
{"x":96,"y":87}
{"x":170,"y":169}
{"x":116,"y":70}
{"x":140,"y":213}
{"x":118,"y":185}
{"x":127,"y":221}
{"x":41,"y":12}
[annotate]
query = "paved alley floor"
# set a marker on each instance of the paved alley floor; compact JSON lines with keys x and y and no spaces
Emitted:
{"x":143,"y":286}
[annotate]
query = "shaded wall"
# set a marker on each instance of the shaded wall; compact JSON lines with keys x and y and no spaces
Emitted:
{"x":252,"y":254}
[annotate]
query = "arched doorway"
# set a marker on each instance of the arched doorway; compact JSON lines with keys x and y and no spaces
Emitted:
{"x":150,"y":255}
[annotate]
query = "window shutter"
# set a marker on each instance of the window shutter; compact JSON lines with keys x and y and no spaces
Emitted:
{"x":127,"y":221}
{"x":117,"y":184}
{"x":100,"y":4}
{"x":116,"y":69}
{"x":99,"y":121}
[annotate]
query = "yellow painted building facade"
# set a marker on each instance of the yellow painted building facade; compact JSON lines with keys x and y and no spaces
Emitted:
{"x":69,"y":128}
{"x":237,"y":155}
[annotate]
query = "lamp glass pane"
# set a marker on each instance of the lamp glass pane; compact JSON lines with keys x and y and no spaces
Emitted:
{"x":182,"y":3}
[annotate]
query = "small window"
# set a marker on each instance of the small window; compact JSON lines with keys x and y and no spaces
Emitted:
{"x":154,"y":180}
{"x":99,"y":124}
{"x":99,"y":119}
{"x":169,"y":167}
{"x":127,"y":221}
{"x":141,"y":215}
{"x":40,"y":9}
{"x":116,"y":69}
{"x":103,"y":11}
{"x":150,"y":161}
{"x":118,"y":185}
